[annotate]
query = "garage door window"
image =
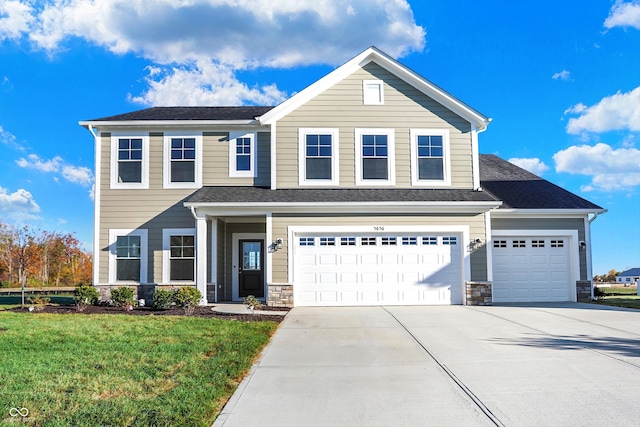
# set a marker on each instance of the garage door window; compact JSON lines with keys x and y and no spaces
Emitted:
{"x":499,"y":243}
{"x":429,"y":240}
{"x":557,"y":243}
{"x":327,"y":241}
{"x":519,"y":244}
{"x":389,"y":241}
{"x":410,"y":241}
{"x":449,"y":240}
{"x":537,"y":243}
{"x":307,"y":241}
{"x":347,"y":241}
{"x":368,"y":241}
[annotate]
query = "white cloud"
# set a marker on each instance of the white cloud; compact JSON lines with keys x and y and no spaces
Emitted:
{"x":610,"y":169}
{"x":616,"y":112}
{"x":19,"y":205}
{"x":203,"y":84}
{"x":533,"y":165}
{"x":15,"y":18}
{"x":623,"y":14}
{"x":76,"y":174}
{"x":562,"y":75}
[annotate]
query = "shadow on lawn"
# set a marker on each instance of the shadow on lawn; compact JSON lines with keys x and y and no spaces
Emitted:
{"x":627,"y":347}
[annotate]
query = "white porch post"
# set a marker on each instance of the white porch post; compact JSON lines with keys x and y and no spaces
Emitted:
{"x":201,"y":257}
{"x":214,"y":257}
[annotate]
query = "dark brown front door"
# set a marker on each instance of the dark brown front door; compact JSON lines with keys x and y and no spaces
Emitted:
{"x":251,"y":270}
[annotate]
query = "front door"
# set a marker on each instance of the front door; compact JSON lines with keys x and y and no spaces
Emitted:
{"x":251,"y":268}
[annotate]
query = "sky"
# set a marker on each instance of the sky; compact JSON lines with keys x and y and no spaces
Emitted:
{"x":560,"y":79}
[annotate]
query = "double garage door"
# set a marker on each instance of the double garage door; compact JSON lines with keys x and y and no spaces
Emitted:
{"x":377,"y":269}
{"x":531,"y":269}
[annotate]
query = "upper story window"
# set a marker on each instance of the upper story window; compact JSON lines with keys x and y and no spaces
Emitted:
{"x":242,"y":155}
{"x":430,"y":157}
{"x":182,"y":158}
{"x":318,"y":163}
{"x":129,"y":160}
{"x":128,"y":256}
{"x":372,"y":92}
{"x":375,"y":157}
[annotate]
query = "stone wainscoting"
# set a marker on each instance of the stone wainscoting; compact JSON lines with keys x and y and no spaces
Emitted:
{"x":479,"y":293}
{"x":144,"y":291}
{"x":280,"y":295}
{"x":583,"y":290}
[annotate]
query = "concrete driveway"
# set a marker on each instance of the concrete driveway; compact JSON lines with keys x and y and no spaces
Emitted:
{"x":537,"y":365}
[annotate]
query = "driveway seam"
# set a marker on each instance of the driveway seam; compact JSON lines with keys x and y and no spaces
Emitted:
{"x":466,"y":390}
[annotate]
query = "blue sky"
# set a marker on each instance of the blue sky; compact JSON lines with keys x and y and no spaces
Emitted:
{"x":561,"y":80}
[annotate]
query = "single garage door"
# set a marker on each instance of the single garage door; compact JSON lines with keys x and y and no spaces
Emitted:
{"x":377,"y":269}
{"x":531,"y":269}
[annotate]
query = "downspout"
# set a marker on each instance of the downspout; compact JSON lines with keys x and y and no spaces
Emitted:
{"x":475,"y":155}
{"x":96,"y":204}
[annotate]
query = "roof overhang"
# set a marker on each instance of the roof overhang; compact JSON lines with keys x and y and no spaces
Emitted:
{"x":164,"y":124}
{"x":372,"y":54}
{"x":545,"y":213}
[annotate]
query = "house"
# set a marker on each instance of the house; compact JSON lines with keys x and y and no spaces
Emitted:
{"x":629,"y":277}
{"x":365,"y":188}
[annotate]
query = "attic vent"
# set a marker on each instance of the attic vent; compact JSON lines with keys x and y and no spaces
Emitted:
{"x":373,"y":92}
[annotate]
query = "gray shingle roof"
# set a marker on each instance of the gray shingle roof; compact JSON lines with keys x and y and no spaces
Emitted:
{"x":308,"y":195}
{"x":630,"y":272}
{"x":520,"y":189}
{"x":191,"y":113}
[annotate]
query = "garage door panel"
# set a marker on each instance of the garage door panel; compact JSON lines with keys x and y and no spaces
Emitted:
{"x":328,"y":278}
{"x":529,"y":269}
{"x":328,"y":296}
{"x":369,"y":259}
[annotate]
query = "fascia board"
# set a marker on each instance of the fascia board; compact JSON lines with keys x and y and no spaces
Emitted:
{"x":167,"y":123}
{"x":549,"y":213}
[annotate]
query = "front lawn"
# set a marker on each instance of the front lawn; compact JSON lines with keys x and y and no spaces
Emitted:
{"x":628,"y":301}
{"x":90,"y":370}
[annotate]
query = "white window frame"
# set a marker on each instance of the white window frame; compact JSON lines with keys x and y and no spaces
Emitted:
{"x":166,"y":176}
{"x":144,"y":250}
{"x":166,"y":252}
{"x":370,"y":97}
{"x":391,"y":157}
{"x":144,"y":179}
{"x":252,"y":172}
{"x":302,"y":156}
{"x":446,"y":164}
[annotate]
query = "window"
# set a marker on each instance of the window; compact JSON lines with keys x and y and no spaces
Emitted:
{"x":318,"y":150}
{"x":179,"y":255}
{"x":449,"y":240}
{"x":128,"y":256}
{"x":347,"y":241}
{"x":327,"y":241}
{"x":182,"y":154}
{"x":242,"y":155}
{"x":430,"y":157}
{"x":429,"y":240}
{"x":537,"y":243}
{"x":557,"y":243}
{"x":129,"y":161}
{"x":518,"y":244}
{"x":388,"y":241}
{"x":307,"y":241}
{"x":499,"y":243}
{"x":409,"y":241}
{"x":368,"y":241}
{"x":372,"y":92}
{"x":375,"y":160}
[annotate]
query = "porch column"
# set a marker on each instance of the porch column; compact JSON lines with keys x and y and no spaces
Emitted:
{"x":201,"y":257}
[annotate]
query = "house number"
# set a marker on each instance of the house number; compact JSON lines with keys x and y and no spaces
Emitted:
{"x":378,"y":228}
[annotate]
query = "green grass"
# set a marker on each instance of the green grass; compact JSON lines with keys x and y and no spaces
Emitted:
{"x":8,"y":302}
{"x":628,"y":301}
{"x":89,"y":370}
{"x":620,"y":290}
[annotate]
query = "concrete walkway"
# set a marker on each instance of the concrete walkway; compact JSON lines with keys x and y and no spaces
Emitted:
{"x":551,"y":364}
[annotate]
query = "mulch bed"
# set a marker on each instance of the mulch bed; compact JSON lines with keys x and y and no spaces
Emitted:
{"x":148,"y":311}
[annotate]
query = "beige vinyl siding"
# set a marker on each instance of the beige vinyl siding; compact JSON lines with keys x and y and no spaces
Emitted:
{"x":216,"y":161}
{"x":547,"y":224}
{"x":404,"y":108}
{"x":281,"y":223}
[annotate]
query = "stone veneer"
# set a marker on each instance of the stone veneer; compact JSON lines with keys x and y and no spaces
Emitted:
{"x":144,"y":291}
{"x":280,"y":295}
{"x":479,"y":293}
{"x":583,"y":290}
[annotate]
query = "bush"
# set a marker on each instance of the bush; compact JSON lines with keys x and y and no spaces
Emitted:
{"x":39,"y":302}
{"x":123,"y":297}
{"x":163,"y":299}
{"x":252,"y":303}
{"x":85,"y":295}
{"x":598,"y":293}
{"x":5,"y":284}
{"x":188,"y":298}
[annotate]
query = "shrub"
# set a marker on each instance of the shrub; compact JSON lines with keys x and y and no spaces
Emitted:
{"x":5,"y":284}
{"x":252,"y":303}
{"x":123,"y":297}
{"x":85,"y":295}
{"x":598,"y":293}
{"x":188,"y":298}
{"x":163,"y":299}
{"x":39,"y":302}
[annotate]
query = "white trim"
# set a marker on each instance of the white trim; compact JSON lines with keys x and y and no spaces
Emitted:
{"x":574,"y":255}
{"x":114,"y":233}
{"x":144,"y":179}
{"x":166,"y":155}
{"x":446,"y":161}
{"x":214,"y":257}
{"x":235,"y":247}
{"x":97,"y":194}
{"x":475,"y":157}
{"x":268,"y":263}
{"x":272,"y":148}
{"x":369,"y":97}
{"x":461,"y":230}
{"x":373,"y":54}
{"x":488,"y":247}
{"x":253,"y":162}
{"x":587,"y":240}
{"x":166,"y":253}
{"x":391,"y":156}
{"x":545,"y":213}
{"x":302,"y":156}
{"x":201,"y":256}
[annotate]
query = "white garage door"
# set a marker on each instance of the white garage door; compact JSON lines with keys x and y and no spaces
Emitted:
{"x":531,"y":269}
{"x":377,"y":269}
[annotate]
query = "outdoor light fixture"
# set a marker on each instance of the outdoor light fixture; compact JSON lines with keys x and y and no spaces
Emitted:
{"x":475,"y":244}
{"x":276,"y":245}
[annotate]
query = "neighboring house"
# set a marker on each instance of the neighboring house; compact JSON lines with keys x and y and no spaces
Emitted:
{"x":629,"y":277}
{"x":365,"y":188}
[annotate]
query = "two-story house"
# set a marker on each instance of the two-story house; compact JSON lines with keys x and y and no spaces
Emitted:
{"x":365,"y":188}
